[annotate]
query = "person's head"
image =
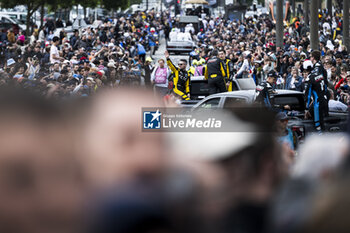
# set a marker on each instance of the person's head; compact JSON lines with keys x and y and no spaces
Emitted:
{"x":319,"y":156}
{"x":37,"y":49}
{"x":56,"y":66}
{"x":161,"y":63}
{"x":221,"y":54}
{"x":271,"y":77}
{"x":113,"y":139}
{"x":182,"y":64}
{"x":294,"y":70}
{"x":56,"y":40}
{"x":307,"y":67}
{"x":339,"y":59}
{"x":214,"y":53}
{"x":36,"y":165}
{"x":249,"y":57}
{"x":315,"y":56}
{"x":282,"y":121}
{"x":148,"y":60}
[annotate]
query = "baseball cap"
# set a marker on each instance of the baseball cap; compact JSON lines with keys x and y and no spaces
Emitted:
{"x":199,"y":145}
{"x":272,"y":74}
{"x":149,"y":59}
{"x":10,"y":62}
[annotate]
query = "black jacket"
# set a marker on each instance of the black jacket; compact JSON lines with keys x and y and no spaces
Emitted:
{"x":215,"y":68}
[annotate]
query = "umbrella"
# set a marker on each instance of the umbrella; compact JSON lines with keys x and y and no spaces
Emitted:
{"x":196,"y":2}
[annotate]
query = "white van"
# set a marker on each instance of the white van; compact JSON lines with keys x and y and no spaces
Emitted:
{"x":20,"y":16}
{"x":133,"y":8}
{"x":6,"y":17}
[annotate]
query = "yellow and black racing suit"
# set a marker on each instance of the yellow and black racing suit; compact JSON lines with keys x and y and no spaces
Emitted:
{"x":229,"y":72}
{"x":215,"y":73}
{"x":181,"y":80}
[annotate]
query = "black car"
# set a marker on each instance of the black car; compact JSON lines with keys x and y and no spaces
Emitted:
{"x":335,"y":122}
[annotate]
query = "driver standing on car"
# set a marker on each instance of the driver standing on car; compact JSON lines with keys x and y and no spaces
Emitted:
{"x":215,"y":73}
{"x":265,"y":89}
{"x":181,"y":77}
{"x":229,"y":73}
{"x":316,"y":93}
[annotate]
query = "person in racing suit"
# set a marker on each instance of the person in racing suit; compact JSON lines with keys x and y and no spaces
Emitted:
{"x":215,"y":73}
{"x":230,"y":73}
{"x":265,"y":90}
{"x":181,"y":79}
{"x":316,"y":93}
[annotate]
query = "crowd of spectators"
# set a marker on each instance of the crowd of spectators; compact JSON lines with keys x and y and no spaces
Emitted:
{"x":84,"y":165}
{"x":114,"y":53}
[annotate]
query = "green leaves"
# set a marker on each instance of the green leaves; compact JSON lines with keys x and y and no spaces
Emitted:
{"x":113,"y":4}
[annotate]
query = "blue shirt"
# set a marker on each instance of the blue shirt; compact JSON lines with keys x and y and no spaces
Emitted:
{"x":287,"y":139}
{"x":141,"y":49}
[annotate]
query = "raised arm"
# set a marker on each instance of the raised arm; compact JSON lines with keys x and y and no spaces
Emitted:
{"x":170,"y":64}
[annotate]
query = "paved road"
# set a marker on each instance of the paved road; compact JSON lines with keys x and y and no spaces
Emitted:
{"x":160,"y":54}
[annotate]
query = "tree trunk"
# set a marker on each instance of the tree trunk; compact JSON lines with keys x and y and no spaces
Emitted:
{"x":42,"y":17}
{"x":329,"y":7}
{"x":314,"y":25}
{"x":55,"y":17}
{"x":346,"y":24}
{"x":66,"y":15}
{"x":84,"y":8}
{"x":279,"y":24}
{"x":306,"y":12}
{"x":29,"y":15}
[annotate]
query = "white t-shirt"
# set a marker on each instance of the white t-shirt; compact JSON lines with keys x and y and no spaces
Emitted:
{"x":292,"y":83}
{"x":54,"y":51}
{"x":326,"y":27}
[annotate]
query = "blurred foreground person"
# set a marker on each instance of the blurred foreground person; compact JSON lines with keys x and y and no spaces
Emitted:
{"x":285,"y":137}
{"x":126,"y":167}
{"x":250,"y":170}
{"x":41,"y":186}
{"x":114,"y":148}
{"x":328,"y":212}
{"x":317,"y":163}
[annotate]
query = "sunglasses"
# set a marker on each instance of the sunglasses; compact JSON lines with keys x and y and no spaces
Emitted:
{"x":181,"y":64}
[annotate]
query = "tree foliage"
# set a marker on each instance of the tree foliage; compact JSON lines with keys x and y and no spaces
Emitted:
{"x":113,"y":4}
{"x":54,"y":5}
{"x":32,"y":6}
{"x":131,"y":2}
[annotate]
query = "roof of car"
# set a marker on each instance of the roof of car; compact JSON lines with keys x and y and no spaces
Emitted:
{"x":243,"y":93}
{"x":285,"y":92}
{"x":250,"y":93}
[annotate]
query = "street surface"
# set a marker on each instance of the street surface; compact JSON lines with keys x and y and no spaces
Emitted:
{"x":160,"y":54}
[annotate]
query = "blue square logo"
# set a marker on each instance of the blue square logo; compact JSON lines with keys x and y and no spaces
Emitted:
{"x":152,"y":120}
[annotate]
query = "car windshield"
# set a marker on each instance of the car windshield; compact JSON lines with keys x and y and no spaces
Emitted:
{"x":17,"y":21}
